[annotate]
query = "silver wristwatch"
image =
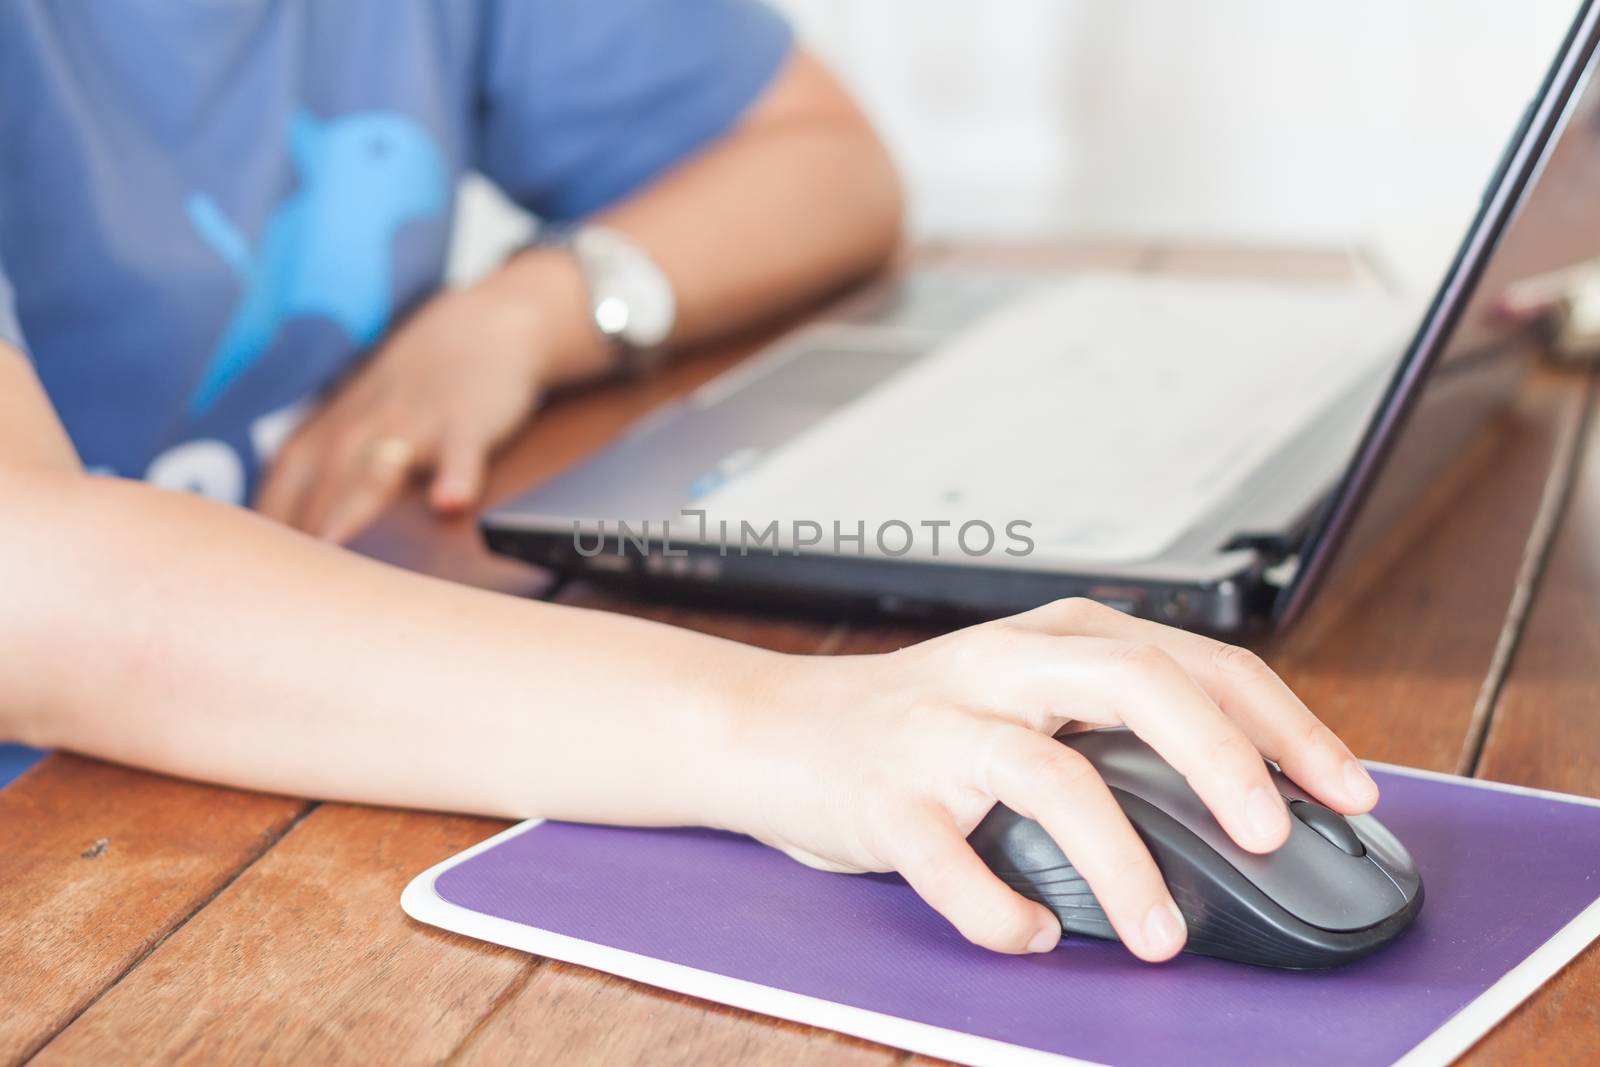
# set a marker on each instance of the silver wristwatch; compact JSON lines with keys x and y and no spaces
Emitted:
{"x":630,"y":299}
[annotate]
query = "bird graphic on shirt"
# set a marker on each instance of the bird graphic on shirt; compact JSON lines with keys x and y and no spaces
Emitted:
{"x":327,"y":249}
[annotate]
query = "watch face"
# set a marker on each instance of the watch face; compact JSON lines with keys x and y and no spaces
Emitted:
{"x":612,"y":315}
{"x":632,"y":299}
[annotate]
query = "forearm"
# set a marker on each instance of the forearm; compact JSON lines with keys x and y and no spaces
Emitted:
{"x":799,"y":199}
{"x":167,"y":632}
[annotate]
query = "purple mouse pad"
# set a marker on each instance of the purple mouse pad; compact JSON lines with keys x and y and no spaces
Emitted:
{"x":1512,"y":879}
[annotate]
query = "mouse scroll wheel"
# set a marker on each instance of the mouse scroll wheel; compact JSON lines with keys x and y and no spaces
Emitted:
{"x":1330,"y":824}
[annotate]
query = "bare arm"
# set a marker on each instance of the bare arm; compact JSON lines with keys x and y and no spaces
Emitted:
{"x":173,"y":633}
{"x":169,"y":632}
{"x":798,"y":198}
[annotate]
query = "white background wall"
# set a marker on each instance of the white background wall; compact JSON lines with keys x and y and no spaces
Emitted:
{"x":1265,"y":121}
{"x":1270,"y":120}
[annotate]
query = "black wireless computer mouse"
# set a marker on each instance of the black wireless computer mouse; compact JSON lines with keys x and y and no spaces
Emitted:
{"x":1339,"y":888}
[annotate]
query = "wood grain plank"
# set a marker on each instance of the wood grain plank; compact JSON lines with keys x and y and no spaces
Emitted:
{"x":1546,"y":733}
{"x":1546,"y":729}
{"x":1558,"y":1027}
{"x":568,"y":1014}
{"x":1398,"y":667}
{"x":97,"y":865}
{"x":307,"y":958}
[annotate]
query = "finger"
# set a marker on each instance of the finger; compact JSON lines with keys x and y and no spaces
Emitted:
{"x":1276,"y":721}
{"x":459,"y":474}
{"x":361,"y":461}
{"x":934,"y":859}
{"x":288,"y":478}
{"x":367,"y":485}
{"x":1175,"y":716}
{"x":1283,"y":728}
{"x":1034,"y":675}
{"x":1044,"y":780}
{"x":361,"y":505}
{"x":340,"y":464}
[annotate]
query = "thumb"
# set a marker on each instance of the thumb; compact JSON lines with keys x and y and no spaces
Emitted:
{"x":458,"y":475}
{"x":946,"y":873}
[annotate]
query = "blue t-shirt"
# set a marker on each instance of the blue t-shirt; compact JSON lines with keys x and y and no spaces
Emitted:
{"x":210,"y":208}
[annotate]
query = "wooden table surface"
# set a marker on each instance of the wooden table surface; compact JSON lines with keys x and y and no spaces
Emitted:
{"x":143,"y":918}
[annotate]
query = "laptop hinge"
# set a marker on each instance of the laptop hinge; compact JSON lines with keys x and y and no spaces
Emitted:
{"x":1279,"y":553}
{"x":1282,"y":573}
{"x":1280,"y":549}
{"x":1271,"y":547}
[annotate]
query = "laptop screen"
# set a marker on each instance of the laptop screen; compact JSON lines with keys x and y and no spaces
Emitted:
{"x":1427,"y":436}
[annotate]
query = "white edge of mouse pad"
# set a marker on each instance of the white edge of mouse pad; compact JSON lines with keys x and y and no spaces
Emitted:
{"x":1443,"y":1046}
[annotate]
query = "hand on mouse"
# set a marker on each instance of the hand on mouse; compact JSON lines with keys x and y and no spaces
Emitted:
{"x":888,"y":762}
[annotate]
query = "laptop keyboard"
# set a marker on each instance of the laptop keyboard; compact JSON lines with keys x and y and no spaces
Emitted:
{"x":1111,"y":413}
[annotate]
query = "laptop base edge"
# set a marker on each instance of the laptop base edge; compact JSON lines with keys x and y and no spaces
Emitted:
{"x":873,"y":589}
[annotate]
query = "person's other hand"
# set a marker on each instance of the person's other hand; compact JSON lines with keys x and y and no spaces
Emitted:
{"x":879,"y":763}
{"x":436,"y":399}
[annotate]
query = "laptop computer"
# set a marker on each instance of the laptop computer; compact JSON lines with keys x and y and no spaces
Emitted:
{"x":962,"y":445}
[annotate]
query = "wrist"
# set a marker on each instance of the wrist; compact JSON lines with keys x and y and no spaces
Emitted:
{"x":545,"y":291}
{"x":736,"y":747}
{"x":768,"y":732}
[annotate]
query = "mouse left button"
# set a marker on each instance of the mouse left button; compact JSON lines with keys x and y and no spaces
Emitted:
{"x":1330,"y":824}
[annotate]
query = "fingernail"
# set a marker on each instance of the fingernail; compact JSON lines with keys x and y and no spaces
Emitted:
{"x":1045,"y":939}
{"x":1266,"y":813}
{"x":1358,"y":784}
{"x":1163,"y":928}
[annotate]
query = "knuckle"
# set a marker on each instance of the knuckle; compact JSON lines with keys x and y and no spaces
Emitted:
{"x":983,"y":649}
{"x":1006,"y":929}
{"x":1141,"y":659}
{"x":1130,"y":869}
{"x":1241,"y":663}
{"x":1232,"y":749}
{"x":1079,"y":612}
{"x":1003,"y":640}
{"x":1002,"y":633}
{"x":1064,"y":771}
{"x":1315,"y":732}
{"x":1003,"y":629}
